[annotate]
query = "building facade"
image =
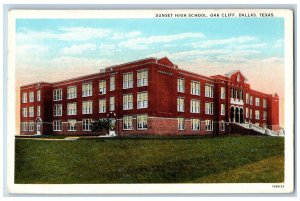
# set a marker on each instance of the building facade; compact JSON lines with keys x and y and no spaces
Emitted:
{"x":146,"y":97}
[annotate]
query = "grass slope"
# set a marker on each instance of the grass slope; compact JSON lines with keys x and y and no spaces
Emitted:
{"x":170,"y":160}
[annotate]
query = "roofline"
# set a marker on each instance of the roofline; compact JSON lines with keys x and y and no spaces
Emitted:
{"x":132,"y":62}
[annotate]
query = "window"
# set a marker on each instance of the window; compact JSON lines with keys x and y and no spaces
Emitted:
{"x":250,"y":113}
{"x":238,"y":79}
{"x":195,"y":88}
{"x":195,"y":106}
{"x":209,"y":125}
{"x":24,"y":98}
{"x":209,"y":108}
{"x":264,"y":103}
{"x":112,"y":103}
{"x":86,"y":124}
{"x":223,"y":93}
{"x":57,"y":125}
{"x":24,"y":126}
{"x":127,"y":102}
{"x":251,"y":100}
{"x":142,"y":100}
{"x":38,"y":111}
{"x":112,"y":82}
{"x":72,"y":125}
{"x":87,"y":89}
{"x":72,"y":108}
{"x":31,"y":126}
{"x":57,"y":110}
{"x":180,"y":104}
{"x":142,"y":78}
{"x":222,"y":125}
{"x":102,"y":106}
{"x":127,"y":80}
{"x":102,"y":87}
{"x":31,"y":96}
{"x":38,"y":95}
{"x":209,"y":91}
{"x":31,"y":111}
{"x":257,"y":101}
{"x":57,"y":94}
{"x":247,"y":98}
{"x":195,"y":124}
{"x":265,"y":115}
{"x":247,"y":112}
{"x":72,"y":92}
{"x":24,"y":112}
{"x":180,"y":85}
{"x":256,"y":114}
{"x":127,"y":123}
{"x":142,"y":122}
{"x":87,"y":107}
{"x":222,"y":109}
{"x":180,"y":124}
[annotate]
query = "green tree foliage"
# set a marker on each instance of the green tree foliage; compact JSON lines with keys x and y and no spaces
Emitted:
{"x":101,"y":125}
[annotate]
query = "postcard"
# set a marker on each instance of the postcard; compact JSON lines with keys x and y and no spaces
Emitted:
{"x":178,"y":101}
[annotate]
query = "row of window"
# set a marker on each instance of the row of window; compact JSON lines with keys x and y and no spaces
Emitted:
{"x":196,"y":124}
{"x":87,"y":106}
{"x":31,"y":96}
{"x":31,"y":111}
{"x":257,"y":114}
{"x":249,"y":100}
{"x":27,"y":126}
{"x":195,"y":106}
{"x":87,"y":88}
{"x":195,"y":88}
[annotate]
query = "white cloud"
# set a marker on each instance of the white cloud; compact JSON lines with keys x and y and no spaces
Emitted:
{"x":78,"y":49}
{"x":27,"y":50}
{"x":142,"y":42}
{"x":279,"y":43}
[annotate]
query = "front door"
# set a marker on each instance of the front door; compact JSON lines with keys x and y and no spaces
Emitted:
{"x":38,"y":128}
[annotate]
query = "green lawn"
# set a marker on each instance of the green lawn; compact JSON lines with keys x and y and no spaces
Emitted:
{"x":153,"y":160}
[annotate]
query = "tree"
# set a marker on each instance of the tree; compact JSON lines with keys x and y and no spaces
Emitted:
{"x":101,"y":125}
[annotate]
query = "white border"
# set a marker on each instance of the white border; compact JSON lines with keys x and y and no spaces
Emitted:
{"x":148,"y":188}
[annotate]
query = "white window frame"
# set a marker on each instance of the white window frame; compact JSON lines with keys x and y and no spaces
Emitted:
{"x":251,"y":113}
{"x":57,"y":125}
{"x":31,"y":111}
{"x":87,"y":124}
{"x":257,"y":101}
{"x":71,"y":125}
{"x":57,"y":110}
{"x":112,"y":103}
{"x":247,"y":98}
{"x":38,"y":95}
{"x":209,"y":125}
{"x":72,"y":92}
{"x":223,"y":109}
{"x":24,"y":126}
{"x":87,"y":107}
{"x":25,"y":112}
{"x":223,"y":93}
{"x":72,"y":108}
{"x":180,"y":123}
{"x":222,"y":125}
{"x":247,"y":112}
{"x":265,"y":115}
{"x":24,"y":97}
{"x":38,"y":111}
{"x":195,"y":106}
{"x":264,"y":103}
{"x":195,"y":88}
{"x":127,"y":122}
{"x":31,"y":126}
{"x":142,"y":100}
{"x":142,"y":122}
{"x":102,"y":105}
{"x":195,"y":124}
{"x":142,"y":78}
{"x":102,"y":87}
{"x":180,"y":85}
{"x":57,"y":94}
{"x":127,"y":101}
{"x":87,"y":89}
{"x":31,"y":96}
{"x":128,"y":80}
{"x":251,"y":100}
{"x":112,"y":83}
{"x":209,"y":108}
{"x":180,"y":104}
{"x":209,"y":91}
{"x":257,"y":114}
